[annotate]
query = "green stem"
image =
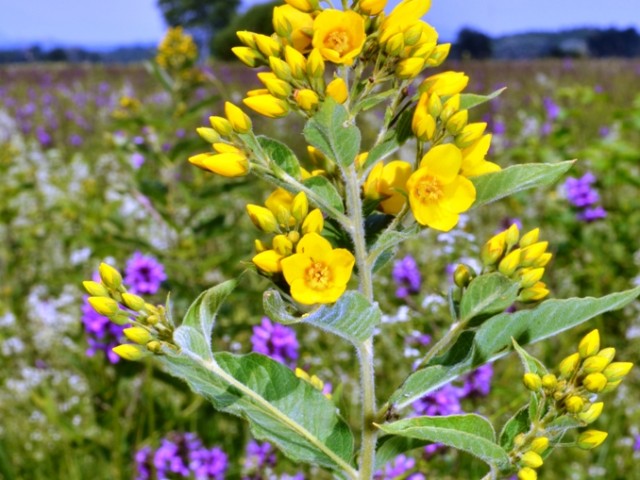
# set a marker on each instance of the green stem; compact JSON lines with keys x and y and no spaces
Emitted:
{"x":444,"y":342}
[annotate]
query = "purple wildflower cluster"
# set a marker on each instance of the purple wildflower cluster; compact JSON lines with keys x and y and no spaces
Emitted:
{"x":260,"y":458}
{"x":407,"y":276}
{"x":398,"y":468}
{"x":276,"y":341}
{"x":584,"y":197}
{"x":181,"y":455}
{"x":552,"y":111}
{"x":144,"y":274}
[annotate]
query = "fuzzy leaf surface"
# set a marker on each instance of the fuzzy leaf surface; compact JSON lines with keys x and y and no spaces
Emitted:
{"x":487,"y":294}
{"x":281,"y":155}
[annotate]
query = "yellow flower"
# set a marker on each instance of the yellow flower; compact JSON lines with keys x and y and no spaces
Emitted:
{"x":339,"y":35}
{"x":293,"y":25}
{"x":444,"y":84}
{"x":247,"y":55}
{"x":437,"y":194}
{"x":404,"y":16}
{"x":388,"y":182}
{"x":317,"y":273}
{"x":337,"y":89}
{"x":372,"y":7}
{"x":131,"y":352}
{"x":306,"y":99}
{"x":239,"y":120}
{"x":268,"y":261}
{"x":473,"y":158}
{"x":267,"y":105}
{"x":591,"y":439}
{"x":231,"y":164}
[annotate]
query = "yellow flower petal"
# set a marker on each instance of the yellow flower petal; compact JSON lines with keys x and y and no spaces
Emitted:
{"x":338,"y":35}
{"x":443,"y":161}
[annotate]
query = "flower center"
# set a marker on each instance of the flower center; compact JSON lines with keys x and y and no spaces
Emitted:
{"x":429,"y":189}
{"x":337,"y":40}
{"x":318,"y":276}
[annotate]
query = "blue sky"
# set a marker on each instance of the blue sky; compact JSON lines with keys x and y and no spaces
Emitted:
{"x":109,"y":22}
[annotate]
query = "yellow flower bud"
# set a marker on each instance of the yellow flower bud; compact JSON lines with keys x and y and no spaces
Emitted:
{"x":509,"y":263}
{"x":260,"y":246}
{"x":409,"y":68}
{"x":395,"y":44}
{"x":518,"y":441}
{"x":280,"y":68}
{"x":463,"y":275}
{"x":221,"y":125}
{"x":296,"y":61}
{"x":569,"y":365}
{"x":138,"y":335}
{"x":532,"y":381}
{"x":247,"y":55}
{"x":611,"y":386}
{"x":337,"y":89}
{"x":104,"y":306}
{"x":130,"y":352}
{"x":154,"y":346}
{"x":595,"y":382}
{"x":542,"y":260}
{"x":110,"y":276}
{"x":275,"y":86}
{"x":540,"y":444}
{"x":372,"y":7}
{"x":549,"y":381}
{"x":534,"y":293}
{"x":247,"y":38}
{"x":306,"y":99}
{"x":268,"y":46}
{"x":225,"y":164}
{"x":267,"y":105}
{"x":120,"y":318}
{"x":444,"y":84}
{"x":512,"y":236}
{"x":439,"y":55}
{"x":533,"y":252}
{"x":527,"y":473}
{"x":239,"y":120}
{"x":422,"y":123}
{"x":457,"y":122}
{"x":450,"y":107}
{"x":300,"y":207}
{"x":95,"y":289}
{"x":574,"y":404}
{"x":263,"y":218}
{"x":530,"y":276}
{"x":434,"y":105}
{"x":617,"y":371}
{"x":281,"y":23}
{"x":470,"y":134}
{"x":609,"y":353}
{"x":590,"y":344}
{"x":134,"y":302}
{"x":493,"y":249}
{"x":530,"y":238}
{"x":315,"y":64}
{"x":220,"y":147}
{"x":591,"y":439}
{"x":413,"y":35}
{"x":282,"y":245}
{"x":268,"y":261}
{"x":303,"y":5}
{"x":313,"y":223}
{"x":592,"y":413}
{"x":294,"y":236}
{"x":531,"y":459}
{"x":209,"y":135}
{"x":594,"y":364}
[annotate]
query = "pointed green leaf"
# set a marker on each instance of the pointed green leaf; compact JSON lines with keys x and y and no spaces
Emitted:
{"x":281,"y":155}
{"x":332,"y":132}
{"x":202,"y":313}
{"x":325,"y":190}
{"x":352,"y":317}
{"x":493,"y":339}
{"x":389,"y":240}
{"x":497,"y":185}
{"x":192,"y":343}
{"x":487,"y":294}
{"x":470,"y":433}
{"x":517,"y":424}
{"x":381,"y":151}
{"x":390,"y":446}
{"x":371,"y":101}
{"x":470,"y":100}
{"x":529,"y":362}
{"x":280,"y":407}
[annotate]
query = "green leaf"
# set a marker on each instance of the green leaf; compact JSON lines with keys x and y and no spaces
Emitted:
{"x":202,"y":312}
{"x":493,"y":339}
{"x":192,"y":343}
{"x":280,"y":407}
{"x":281,"y":155}
{"x":371,"y":101}
{"x":332,"y":132}
{"x":564,"y":423}
{"x":529,"y":362}
{"x":389,"y":240}
{"x":390,"y":446}
{"x":470,"y":433}
{"x":352,"y":317}
{"x":326,"y":191}
{"x":470,"y":100}
{"x":517,"y":424}
{"x":381,"y":151}
{"x":488,"y":294}
{"x":497,"y":185}
{"x":403,"y":126}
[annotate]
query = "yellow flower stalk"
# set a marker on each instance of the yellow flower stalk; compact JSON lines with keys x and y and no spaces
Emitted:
{"x":339,"y":36}
{"x":240,"y":121}
{"x":388,"y":182}
{"x":230,"y":164}
{"x":317,"y":273}
{"x":337,"y":89}
{"x":294,"y":26}
{"x":437,"y":193}
{"x":267,"y":105}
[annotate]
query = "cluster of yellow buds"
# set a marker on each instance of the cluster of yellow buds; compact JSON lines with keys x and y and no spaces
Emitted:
{"x":177,"y":51}
{"x":288,"y":218}
{"x":574,"y":392}
{"x":520,"y":258}
{"x":127,"y":107}
{"x":150,"y":328}
{"x":313,"y":380}
{"x":231,"y":154}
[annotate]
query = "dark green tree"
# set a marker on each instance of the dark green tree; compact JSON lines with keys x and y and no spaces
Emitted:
{"x":474,"y":44}
{"x":203,"y":18}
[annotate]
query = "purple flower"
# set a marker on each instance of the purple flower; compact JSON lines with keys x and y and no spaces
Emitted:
{"x":592,"y":214}
{"x":551,"y":108}
{"x":636,"y":445}
{"x":396,"y":468}
{"x":444,"y":401}
{"x":75,"y":140}
{"x":136,"y":160}
{"x":582,"y":195}
{"x":144,"y":463}
{"x":144,"y":274}
{"x":259,"y":456}
{"x":407,"y":277}
{"x":43,"y":137}
{"x":102,"y":334}
{"x":276,"y":341}
{"x":478,"y":382}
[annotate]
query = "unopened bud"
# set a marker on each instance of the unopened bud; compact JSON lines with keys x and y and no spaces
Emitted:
{"x":300,"y":207}
{"x":595,"y":382}
{"x":313,"y":223}
{"x":549,"y":381}
{"x":530,"y":276}
{"x":611,"y":386}
{"x":457,"y":122}
{"x":569,"y":365}
{"x":95,"y":289}
{"x":110,"y":276}
{"x":531,"y":459}
{"x":532,"y":381}
{"x":591,"y":414}
{"x":209,"y":135}
{"x":463,"y":275}
{"x":512,"y":236}
{"x":527,"y":473}
{"x":134,"y":302}
{"x":154,"y":346}
{"x":282,"y":245}
{"x":263,"y":218}
{"x":221,"y":125}
{"x":590,"y":344}
{"x":104,"y":306}
{"x":617,"y":370}
{"x":591,"y":439}
{"x":609,"y":353}
{"x":574,"y":404}
{"x":494,"y":248}
{"x":540,"y":444}
{"x":138,"y":335}
{"x":509,"y":264}
{"x":130,"y":351}
{"x":530,"y":238}
{"x":594,"y":364}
